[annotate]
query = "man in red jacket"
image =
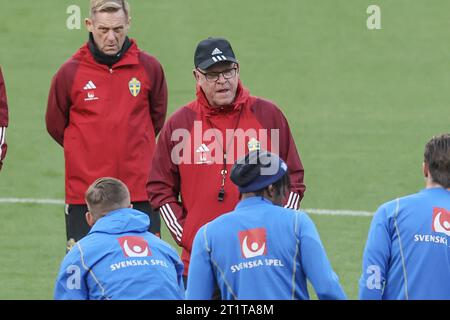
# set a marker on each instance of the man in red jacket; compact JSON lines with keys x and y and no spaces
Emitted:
{"x":106,"y":106}
{"x":3,"y":119}
{"x":189,"y":181}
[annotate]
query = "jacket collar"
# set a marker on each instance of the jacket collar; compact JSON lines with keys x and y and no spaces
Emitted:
{"x":252,"y":201}
{"x":131,"y":57}
{"x":242,"y":95}
{"x":105,"y":59}
{"x":435,"y":190}
{"x":122,"y":221}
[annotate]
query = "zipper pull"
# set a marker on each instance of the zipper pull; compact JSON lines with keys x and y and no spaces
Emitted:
{"x":110,"y":70}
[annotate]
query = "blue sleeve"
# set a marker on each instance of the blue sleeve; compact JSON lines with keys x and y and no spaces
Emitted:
{"x":201,"y":280}
{"x":376,"y":257}
{"x":315,"y":263}
{"x":71,"y":281}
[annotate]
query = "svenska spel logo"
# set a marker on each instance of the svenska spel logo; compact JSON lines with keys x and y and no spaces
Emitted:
{"x":441,"y":221}
{"x":134,"y":246}
{"x":253,"y":242}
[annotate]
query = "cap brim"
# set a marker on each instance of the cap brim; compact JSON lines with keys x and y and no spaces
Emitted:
{"x":263,"y":181}
{"x":213,"y":60}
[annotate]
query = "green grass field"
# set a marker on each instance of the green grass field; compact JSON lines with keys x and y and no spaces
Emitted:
{"x":361,"y":105}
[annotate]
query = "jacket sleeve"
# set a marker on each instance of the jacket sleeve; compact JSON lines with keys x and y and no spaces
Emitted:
{"x":315,"y":263}
{"x":375,"y":258}
{"x":71,"y":281}
{"x":59,"y":102}
{"x":271,"y":118}
{"x":158,"y":92}
{"x":201,"y":279}
{"x":3,"y":119}
{"x":163,"y":187}
{"x":289,"y":153}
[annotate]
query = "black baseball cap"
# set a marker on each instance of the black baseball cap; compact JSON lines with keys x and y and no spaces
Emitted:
{"x":211,"y":51}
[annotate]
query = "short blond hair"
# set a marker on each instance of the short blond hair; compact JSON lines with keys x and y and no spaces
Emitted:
{"x":109,"y":6}
{"x":105,"y":195}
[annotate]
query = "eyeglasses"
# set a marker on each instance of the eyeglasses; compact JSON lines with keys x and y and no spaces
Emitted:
{"x":214,"y":76}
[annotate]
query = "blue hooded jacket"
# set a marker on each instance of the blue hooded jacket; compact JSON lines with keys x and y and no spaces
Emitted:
{"x":260,"y":251}
{"x":119,"y":259}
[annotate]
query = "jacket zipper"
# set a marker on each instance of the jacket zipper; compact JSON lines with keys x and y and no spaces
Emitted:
{"x":111,"y":71}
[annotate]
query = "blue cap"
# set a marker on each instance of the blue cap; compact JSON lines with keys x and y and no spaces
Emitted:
{"x":257,"y":170}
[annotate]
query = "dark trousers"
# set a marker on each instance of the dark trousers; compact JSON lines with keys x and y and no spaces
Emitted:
{"x":77,"y":227}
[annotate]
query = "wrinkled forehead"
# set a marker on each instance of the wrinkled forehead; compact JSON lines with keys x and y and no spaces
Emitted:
{"x":110,"y":19}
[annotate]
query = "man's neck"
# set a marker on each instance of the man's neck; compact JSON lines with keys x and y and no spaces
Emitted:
{"x":252,"y":194}
{"x":103,"y":58}
{"x":430,"y":184}
{"x":248,"y":195}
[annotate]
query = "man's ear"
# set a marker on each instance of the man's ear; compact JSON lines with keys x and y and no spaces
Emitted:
{"x":426,"y":170}
{"x":89,"y":219}
{"x":89,"y":25}
{"x":195,"y":74}
{"x":271,"y":191}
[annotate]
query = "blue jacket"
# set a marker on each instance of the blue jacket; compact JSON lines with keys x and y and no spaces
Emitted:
{"x":407,"y":254}
{"x":260,"y":251}
{"x":120,"y":259}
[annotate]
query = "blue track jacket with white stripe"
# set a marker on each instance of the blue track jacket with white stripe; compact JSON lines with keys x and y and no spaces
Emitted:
{"x":407,"y":254}
{"x":260,"y":251}
{"x":120,"y":260}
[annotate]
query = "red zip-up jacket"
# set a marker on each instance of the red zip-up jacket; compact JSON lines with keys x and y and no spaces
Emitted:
{"x":107,"y":119}
{"x":187,"y":193}
{"x":3,"y":119}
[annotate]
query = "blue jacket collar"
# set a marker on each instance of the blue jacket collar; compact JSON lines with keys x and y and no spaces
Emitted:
{"x":436,"y":189}
{"x":122,"y":221}
{"x":252,"y":201}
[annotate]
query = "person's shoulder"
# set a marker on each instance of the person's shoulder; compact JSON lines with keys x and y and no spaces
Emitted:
{"x":265,"y":104}
{"x":409,"y":197}
{"x":74,"y":255}
{"x":282,"y":212}
{"x":217,"y":226}
{"x":148,"y":60}
{"x":68,"y":68}
{"x":301,"y":216}
{"x":96,"y":243}
{"x":183,"y":118}
{"x":90,"y":242}
{"x":184,"y":111}
{"x":160,"y":244}
{"x":267,"y":112}
{"x":226,"y":218}
{"x":392,"y":207}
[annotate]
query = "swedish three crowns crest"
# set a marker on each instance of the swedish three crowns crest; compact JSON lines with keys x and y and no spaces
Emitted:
{"x":135,"y":87}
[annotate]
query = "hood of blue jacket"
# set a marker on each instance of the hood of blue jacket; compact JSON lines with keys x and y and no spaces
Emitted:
{"x":122,"y":221}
